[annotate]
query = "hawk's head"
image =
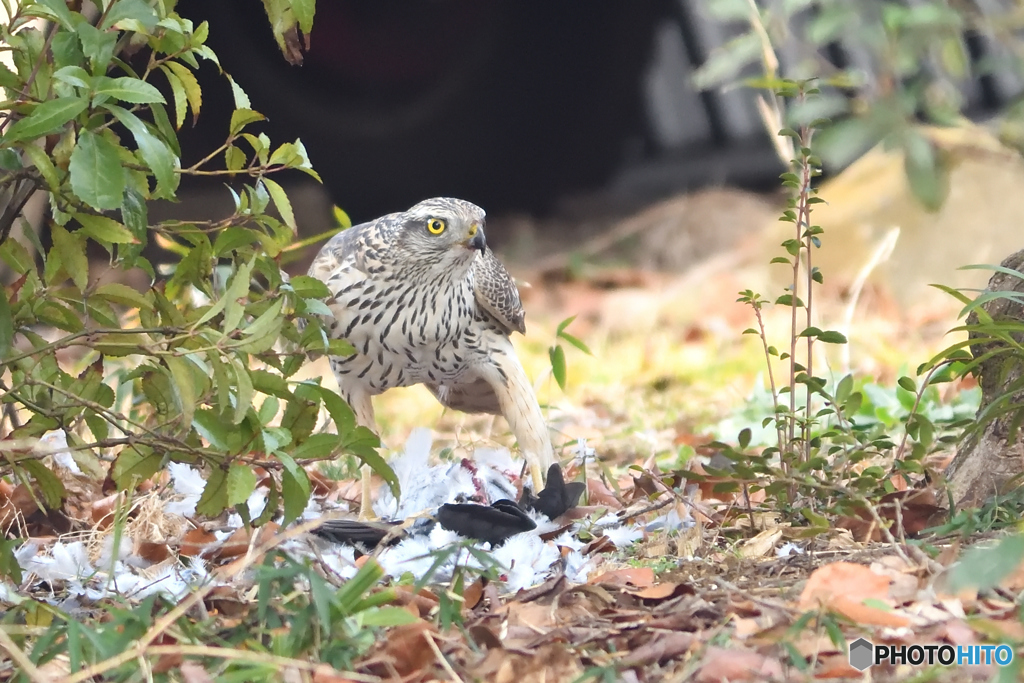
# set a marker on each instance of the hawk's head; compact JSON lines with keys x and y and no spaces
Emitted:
{"x":443,"y":231}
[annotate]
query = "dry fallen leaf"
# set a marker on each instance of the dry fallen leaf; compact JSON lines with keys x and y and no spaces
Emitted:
{"x":662,"y":591}
{"x":472,"y":594}
{"x":420,"y":604}
{"x":102,"y":511}
{"x":640,"y":577}
{"x":721,"y":664}
{"x":599,"y":494}
{"x":195,"y":541}
{"x":407,"y":649}
{"x":153,"y":552}
{"x":762,"y":544}
{"x":548,"y":664}
{"x":661,"y":648}
{"x":238,"y":543}
{"x":836,"y":666}
{"x":843,"y":587}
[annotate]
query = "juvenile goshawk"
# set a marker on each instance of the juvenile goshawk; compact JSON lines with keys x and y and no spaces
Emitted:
{"x":424,"y":301}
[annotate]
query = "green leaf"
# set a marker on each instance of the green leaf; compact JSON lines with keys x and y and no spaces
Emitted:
{"x":154,"y":151}
{"x":268,"y":321}
{"x":6,"y":324}
{"x":355,"y":589}
{"x":41,"y":160}
{"x":387,"y":616}
{"x":184,"y":387}
{"x":119,"y":344}
{"x":243,"y":391}
{"x":557,"y":355}
{"x":846,"y":140}
{"x":304,"y":11}
{"x":340,"y":347}
{"x":71,"y":251}
{"x":97,"y":45}
{"x":241,"y":99}
{"x":15,"y":255}
{"x":215,"y":494}
{"x":843,"y":389}
{"x":240,"y":118}
{"x":46,"y":118}
{"x":135,"y":213}
{"x":925,"y":171}
{"x":241,"y":482}
{"x":985,"y":567}
{"x":234,"y":158}
{"x":238,"y":288}
{"x":96,"y":174}
{"x":124,"y":295}
{"x":178,"y":94}
{"x":308,"y":287}
{"x":9,"y":565}
{"x":137,"y":10}
{"x":103,"y":229}
{"x":271,"y":384}
{"x":908,"y":384}
{"x":321,"y":597}
{"x":575,"y":342}
{"x":274,"y":438}
{"x":316,"y":447}
{"x":341,"y":218}
{"x":230,"y":239}
{"x":284,"y":206}
{"x":52,"y":9}
{"x":8,"y":79}
{"x":134,"y":464}
{"x":193,"y":93}
{"x":564,"y":324}
{"x":49,"y":485}
{"x":126,"y":89}
{"x":832,"y":337}
{"x":9,"y":160}
{"x":295,"y":488}
{"x":212,"y":428}
{"x":267,"y":411}
{"x":359,"y":441}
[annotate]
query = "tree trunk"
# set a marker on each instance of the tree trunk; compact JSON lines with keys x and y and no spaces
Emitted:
{"x":989,"y":462}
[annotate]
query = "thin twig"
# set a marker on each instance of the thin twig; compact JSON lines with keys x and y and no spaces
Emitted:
{"x":21,"y":659}
{"x":441,"y":658}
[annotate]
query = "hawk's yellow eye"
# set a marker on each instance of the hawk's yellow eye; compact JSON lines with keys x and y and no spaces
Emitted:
{"x":436,"y":226}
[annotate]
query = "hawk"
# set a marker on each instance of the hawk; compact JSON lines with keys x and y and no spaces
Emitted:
{"x":423,"y":301}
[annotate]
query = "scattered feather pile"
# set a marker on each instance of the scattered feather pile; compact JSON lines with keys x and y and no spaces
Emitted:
{"x":443,"y":510}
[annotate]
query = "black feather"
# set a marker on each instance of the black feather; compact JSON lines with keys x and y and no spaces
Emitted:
{"x":556,"y":498}
{"x":492,"y":524}
{"x":361,"y":534}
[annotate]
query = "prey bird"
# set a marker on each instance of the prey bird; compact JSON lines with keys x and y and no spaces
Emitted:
{"x":423,"y":301}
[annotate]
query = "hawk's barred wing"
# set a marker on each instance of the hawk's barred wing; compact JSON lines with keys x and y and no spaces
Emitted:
{"x":497,"y":294}
{"x":346,"y":244}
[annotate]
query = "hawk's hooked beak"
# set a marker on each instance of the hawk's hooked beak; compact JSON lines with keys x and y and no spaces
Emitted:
{"x":476,"y":239}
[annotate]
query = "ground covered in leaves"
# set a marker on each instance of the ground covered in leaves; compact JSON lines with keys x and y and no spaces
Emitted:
{"x":740,"y":592}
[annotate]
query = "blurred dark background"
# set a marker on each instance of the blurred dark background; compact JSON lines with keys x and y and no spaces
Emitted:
{"x":513,"y":103}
